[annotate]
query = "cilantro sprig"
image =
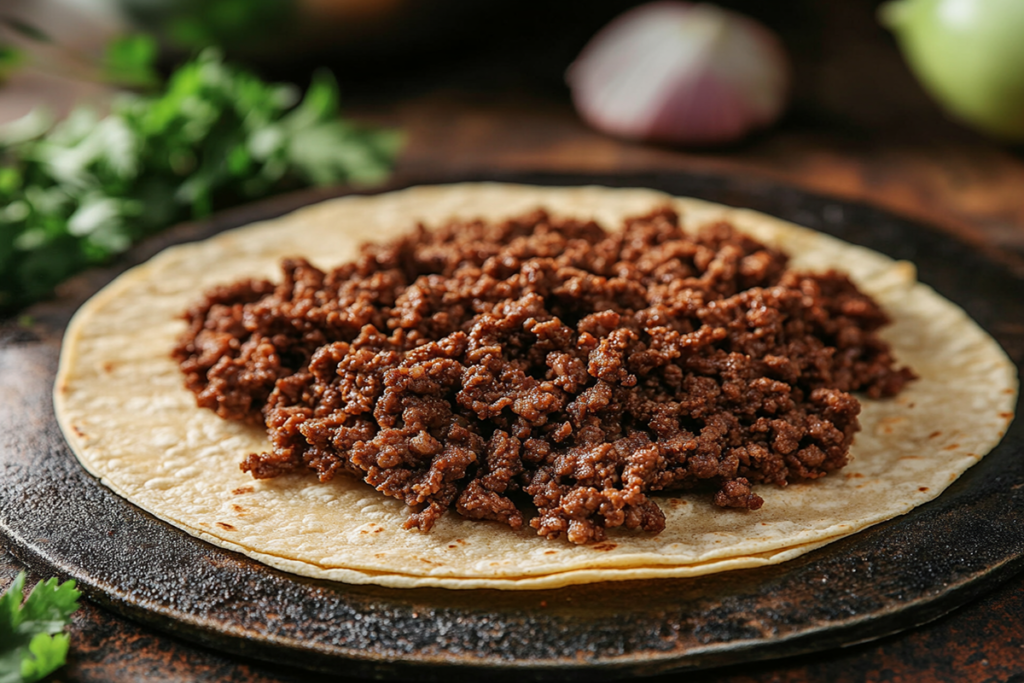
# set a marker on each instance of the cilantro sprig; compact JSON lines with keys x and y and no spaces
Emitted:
{"x":75,"y":193}
{"x":32,"y":642}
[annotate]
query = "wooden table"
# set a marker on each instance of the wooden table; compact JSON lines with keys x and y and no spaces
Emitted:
{"x":860,"y":128}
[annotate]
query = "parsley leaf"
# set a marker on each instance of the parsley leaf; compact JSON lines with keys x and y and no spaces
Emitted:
{"x":129,"y":60}
{"x":76,"y":193}
{"x":32,"y":644}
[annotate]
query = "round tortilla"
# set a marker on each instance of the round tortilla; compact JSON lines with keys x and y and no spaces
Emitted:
{"x":121,"y":402}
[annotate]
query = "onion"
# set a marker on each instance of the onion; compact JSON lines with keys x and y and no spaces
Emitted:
{"x":680,"y":72}
{"x":969,"y":55}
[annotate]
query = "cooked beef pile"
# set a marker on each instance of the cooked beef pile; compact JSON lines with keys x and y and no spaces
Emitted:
{"x":484,"y":366}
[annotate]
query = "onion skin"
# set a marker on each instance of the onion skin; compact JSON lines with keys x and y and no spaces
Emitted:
{"x":683,"y":73}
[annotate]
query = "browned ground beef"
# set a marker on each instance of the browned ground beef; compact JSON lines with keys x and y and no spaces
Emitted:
{"x":486,"y":366}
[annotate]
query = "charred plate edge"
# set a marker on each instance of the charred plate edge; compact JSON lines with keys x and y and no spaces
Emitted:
{"x":357,"y":663}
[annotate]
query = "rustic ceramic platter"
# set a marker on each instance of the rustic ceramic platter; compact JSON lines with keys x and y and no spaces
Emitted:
{"x":58,"y":518}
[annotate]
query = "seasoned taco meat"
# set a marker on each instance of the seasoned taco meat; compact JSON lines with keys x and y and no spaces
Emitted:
{"x":543,"y":371}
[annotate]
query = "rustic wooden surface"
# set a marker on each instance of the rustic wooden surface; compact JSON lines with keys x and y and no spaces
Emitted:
{"x":860,"y":128}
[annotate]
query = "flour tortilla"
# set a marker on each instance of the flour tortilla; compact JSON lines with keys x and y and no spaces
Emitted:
{"x":121,"y":402}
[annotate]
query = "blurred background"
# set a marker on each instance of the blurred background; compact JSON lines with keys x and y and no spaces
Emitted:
{"x":847,"y":68}
{"x":476,"y":87}
{"x":417,"y":58}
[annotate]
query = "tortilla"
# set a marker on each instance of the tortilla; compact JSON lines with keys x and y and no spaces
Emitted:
{"x":121,"y":402}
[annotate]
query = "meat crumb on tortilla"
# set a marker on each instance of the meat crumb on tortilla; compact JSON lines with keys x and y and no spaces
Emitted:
{"x":543,"y":371}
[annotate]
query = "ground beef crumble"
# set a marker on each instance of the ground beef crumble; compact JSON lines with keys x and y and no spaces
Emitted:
{"x":490,"y":366}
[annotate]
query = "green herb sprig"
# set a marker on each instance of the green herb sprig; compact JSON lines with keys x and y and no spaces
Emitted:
{"x":75,"y":193}
{"x":32,"y":642}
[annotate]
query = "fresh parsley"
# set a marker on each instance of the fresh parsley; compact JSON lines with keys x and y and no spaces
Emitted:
{"x":75,"y":193}
{"x":32,"y":644}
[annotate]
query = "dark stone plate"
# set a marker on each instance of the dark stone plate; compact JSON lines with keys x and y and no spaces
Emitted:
{"x":59,"y":519}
